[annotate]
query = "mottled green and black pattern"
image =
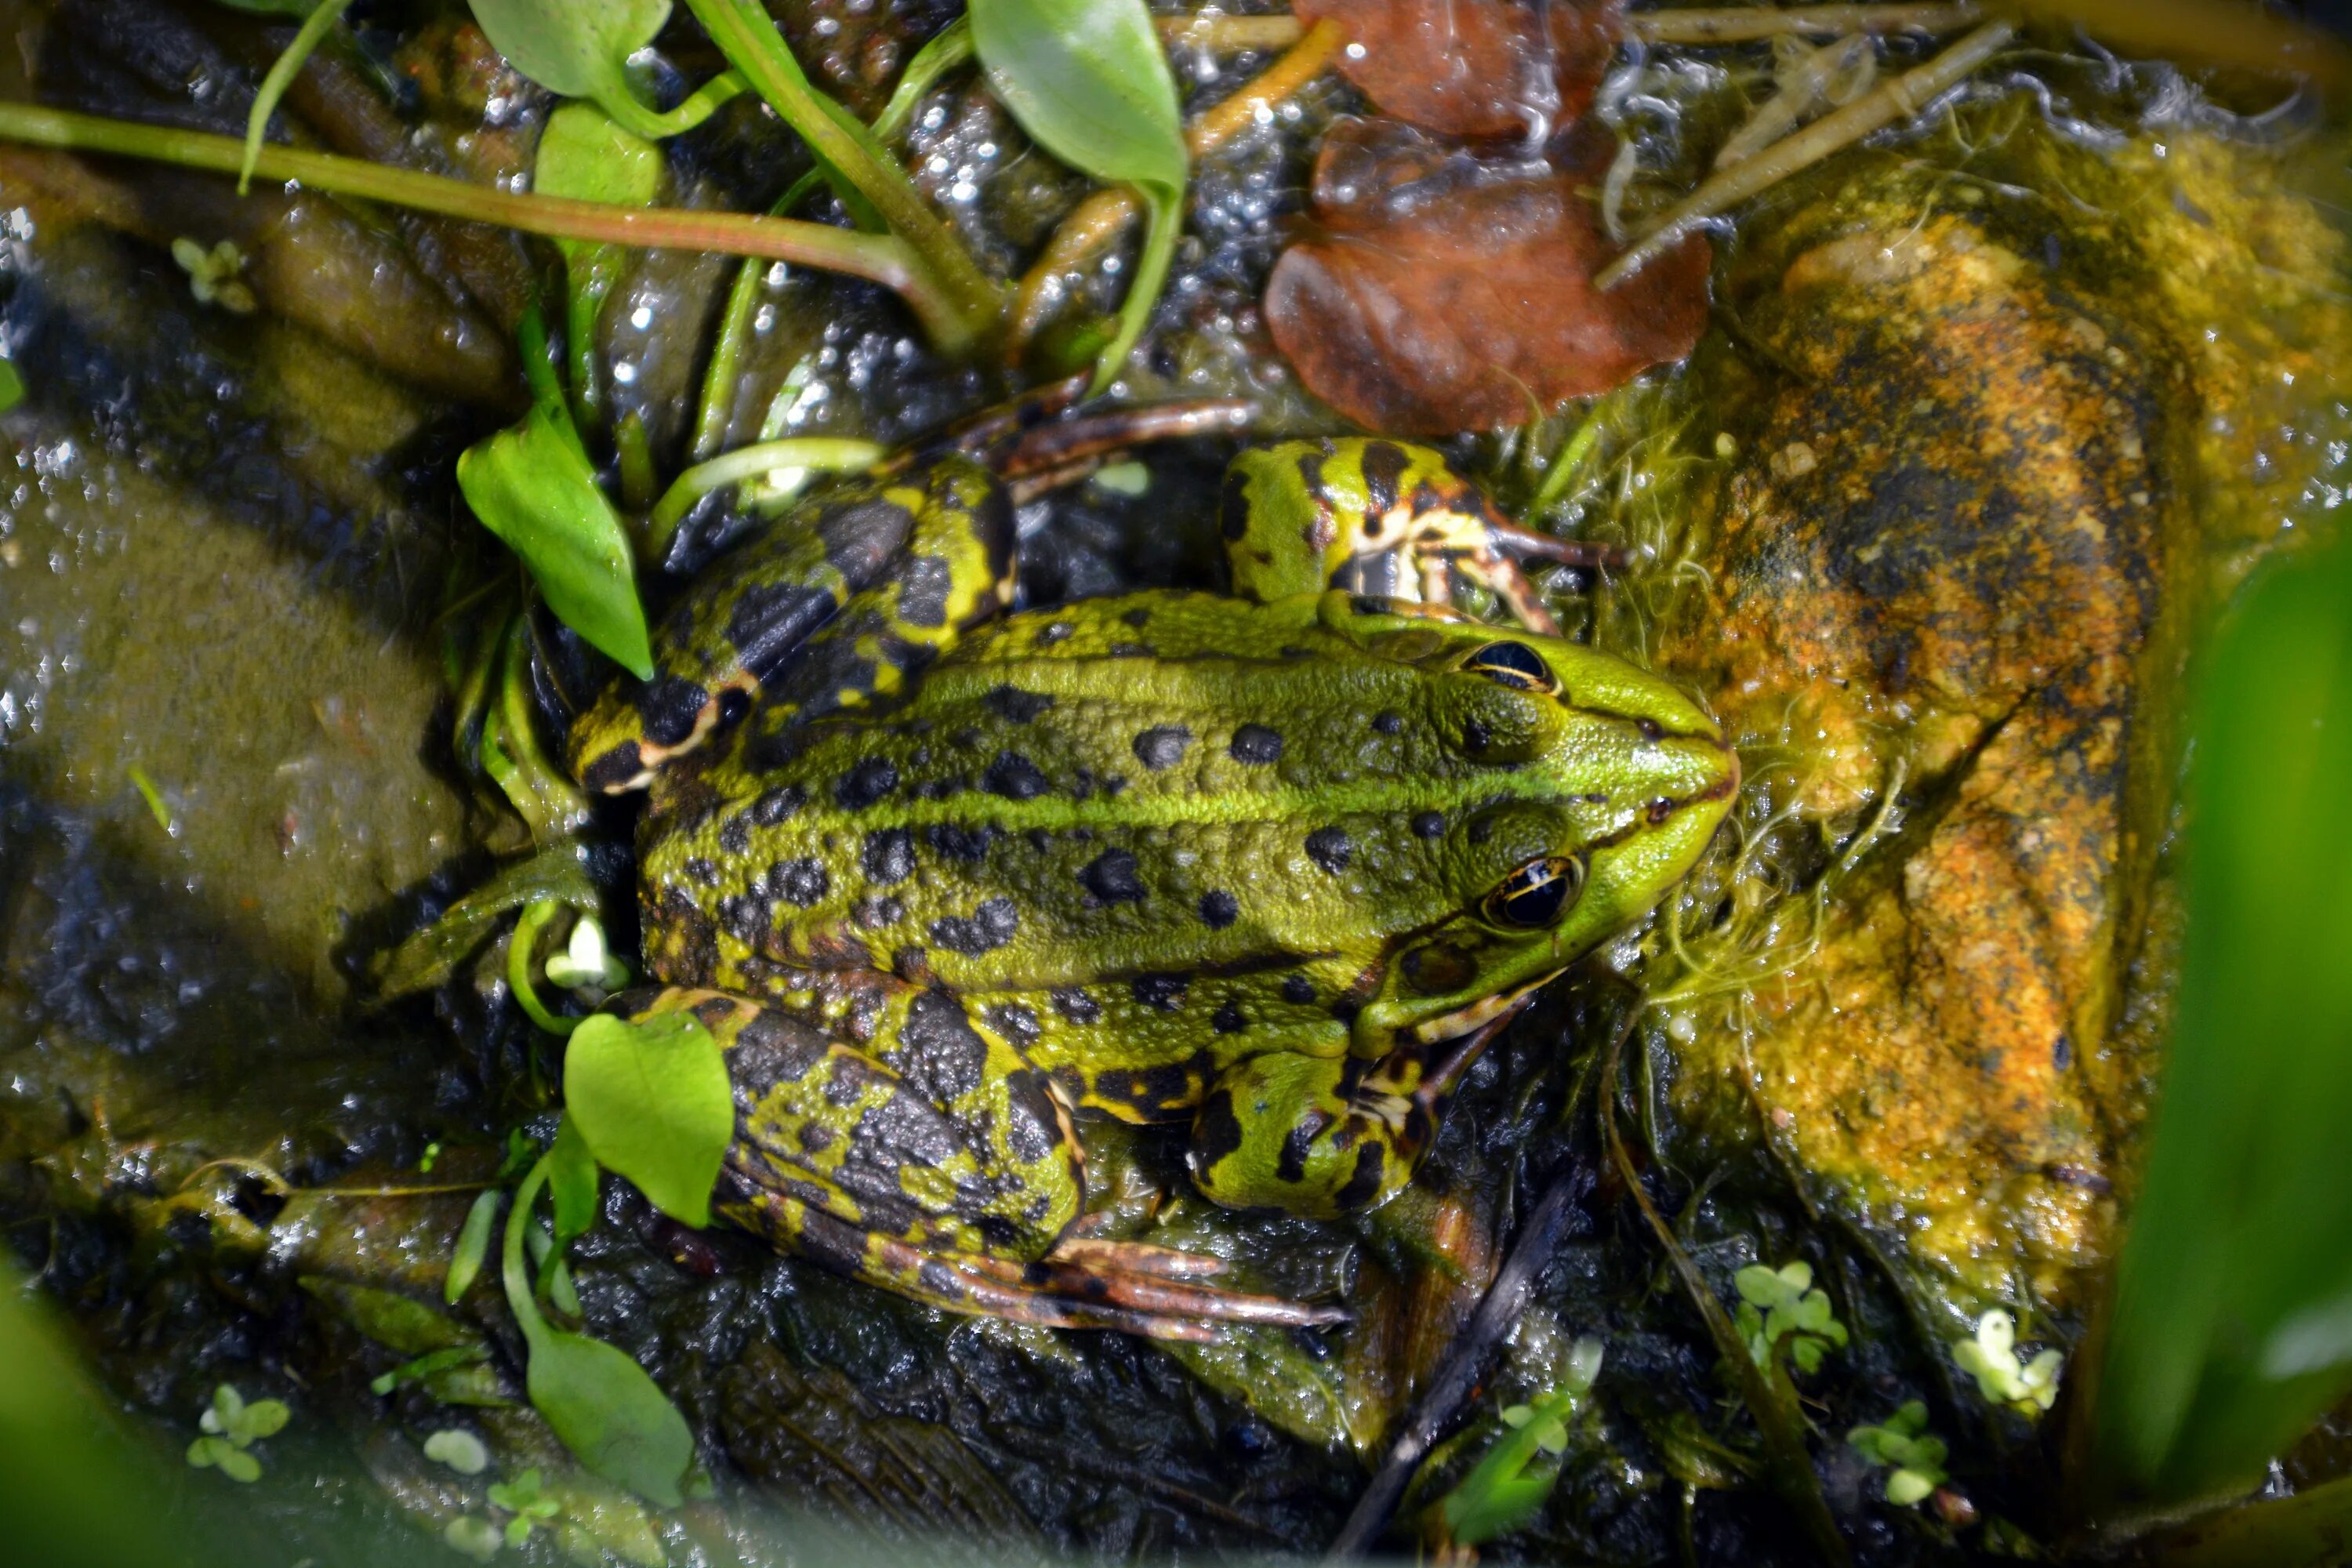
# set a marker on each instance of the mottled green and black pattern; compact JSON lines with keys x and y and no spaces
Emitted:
{"x":834,"y":606}
{"x":1249,"y":862}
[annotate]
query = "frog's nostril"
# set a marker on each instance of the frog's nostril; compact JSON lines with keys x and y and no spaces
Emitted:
{"x":733,"y":703}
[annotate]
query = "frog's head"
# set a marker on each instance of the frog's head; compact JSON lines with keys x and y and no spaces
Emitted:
{"x":1607,"y":782}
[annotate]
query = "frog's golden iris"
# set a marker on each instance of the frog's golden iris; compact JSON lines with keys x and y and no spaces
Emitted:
{"x":940,"y":876}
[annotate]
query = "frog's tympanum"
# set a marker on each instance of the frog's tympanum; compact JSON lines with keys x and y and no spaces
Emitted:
{"x":1271,"y":864}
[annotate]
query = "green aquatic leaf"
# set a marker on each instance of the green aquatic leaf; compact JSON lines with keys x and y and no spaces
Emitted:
{"x":1089,"y":82}
{"x":316,"y":25}
{"x":473,"y":1246}
{"x":2232,"y":1325}
{"x":584,"y":156}
{"x":459,"y":1449}
{"x":532,"y":487}
{"x":596,"y":1398}
{"x":431,"y":957}
{"x":12,"y":385}
{"x":1510,"y":1484}
{"x":652,"y":1101}
{"x":215,"y":1452}
{"x":579,"y":48}
{"x":436,"y":1370}
{"x":572,"y":1182}
{"x":610,"y":1414}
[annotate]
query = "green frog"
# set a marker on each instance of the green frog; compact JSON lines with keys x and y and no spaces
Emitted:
{"x":1273,"y":863}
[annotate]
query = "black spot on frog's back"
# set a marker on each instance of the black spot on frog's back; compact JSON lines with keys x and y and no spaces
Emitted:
{"x":1331,"y":848}
{"x":801,"y":883}
{"x":924,"y":584}
{"x":1162,"y":746}
{"x":1257,"y":745}
{"x":861,"y":535}
{"x":1112,"y":877}
{"x":888,"y":856}
{"x":867,"y":783}
{"x":989,"y":927}
{"x":939,"y":1052}
{"x":1077,"y":1007}
{"x":1163,"y":993}
{"x":1219,"y":908}
{"x":1014,"y":777}
{"x":1016,"y":706}
{"x":1216,"y":1131}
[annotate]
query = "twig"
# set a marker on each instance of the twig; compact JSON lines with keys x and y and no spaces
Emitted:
{"x":748,"y":38}
{"x":1743,"y":24}
{"x":1899,"y":99}
{"x":1465,"y":1364}
{"x":1769,"y":1398}
{"x":1098,"y":221}
{"x":1228,"y":35}
{"x":1702,"y":25}
{"x":881,"y":258}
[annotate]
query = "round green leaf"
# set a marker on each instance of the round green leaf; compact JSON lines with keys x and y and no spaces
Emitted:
{"x":572,"y":47}
{"x":619,"y":1423}
{"x":1088,"y":80}
{"x":652,"y":1099}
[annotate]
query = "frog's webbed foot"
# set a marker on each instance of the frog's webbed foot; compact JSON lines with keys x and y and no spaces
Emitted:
{"x":1130,"y":1287}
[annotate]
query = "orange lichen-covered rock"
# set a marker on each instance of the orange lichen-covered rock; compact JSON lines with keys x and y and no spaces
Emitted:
{"x":1947,"y":560}
{"x":1982,"y":480}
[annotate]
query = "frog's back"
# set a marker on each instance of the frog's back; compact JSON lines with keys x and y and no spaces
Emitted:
{"x":1156,"y":833}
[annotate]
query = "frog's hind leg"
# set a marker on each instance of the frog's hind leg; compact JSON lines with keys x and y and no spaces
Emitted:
{"x":882,"y":574}
{"x":1326,"y":1137}
{"x":941,"y":1167}
{"x":1307,"y":516}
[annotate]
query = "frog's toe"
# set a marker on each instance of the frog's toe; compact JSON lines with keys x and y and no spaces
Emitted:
{"x":1138,"y":1258}
{"x":1050,"y":1293}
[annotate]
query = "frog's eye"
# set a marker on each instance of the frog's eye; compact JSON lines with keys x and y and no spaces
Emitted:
{"x":1538,"y":893}
{"x":1513,"y":664}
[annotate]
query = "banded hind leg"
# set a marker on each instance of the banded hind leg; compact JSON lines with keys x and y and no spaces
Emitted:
{"x":1304,"y":517}
{"x":834,"y":605}
{"x":1327,"y":1137}
{"x":936,"y":1162}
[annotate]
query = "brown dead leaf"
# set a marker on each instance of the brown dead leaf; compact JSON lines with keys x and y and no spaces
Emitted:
{"x":1449,"y":292}
{"x":1476,"y":68}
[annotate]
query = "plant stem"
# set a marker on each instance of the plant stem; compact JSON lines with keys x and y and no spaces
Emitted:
{"x":1098,"y":221}
{"x":952,"y":324}
{"x":528,"y":1317}
{"x":748,"y":38}
{"x":282,"y":71}
{"x":1742,"y":24}
{"x":533,"y":921}
{"x":1228,"y":35}
{"x":1903,"y":96}
{"x":821,"y":453}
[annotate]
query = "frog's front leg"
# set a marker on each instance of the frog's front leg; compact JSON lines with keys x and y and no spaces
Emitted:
{"x":1300,"y":516}
{"x":937,"y":1163}
{"x":831,"y":606}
